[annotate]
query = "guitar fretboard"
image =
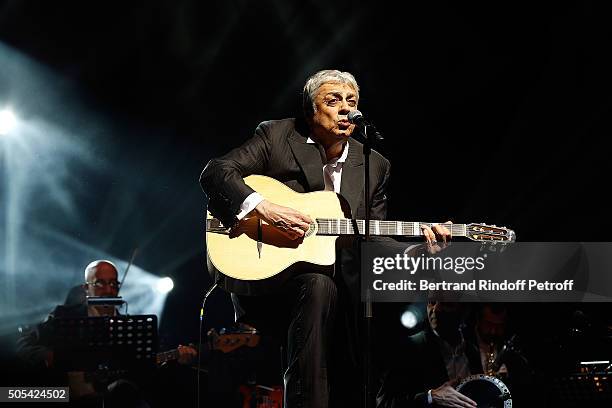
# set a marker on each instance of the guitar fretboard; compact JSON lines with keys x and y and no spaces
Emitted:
{"x":341,"y":226}
{"x":166,"y":356}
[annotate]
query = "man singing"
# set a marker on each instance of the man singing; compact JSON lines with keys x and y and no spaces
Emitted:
{"x":309,"y":154}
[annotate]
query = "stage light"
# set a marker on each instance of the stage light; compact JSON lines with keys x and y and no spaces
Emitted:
{"x":7,"y":121}
{"x":413,"y":316}
{"x":165,"y":285}
{"x":409,"y":319}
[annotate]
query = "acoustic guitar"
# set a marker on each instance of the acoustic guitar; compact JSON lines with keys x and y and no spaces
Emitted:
{"x":254,"y":251}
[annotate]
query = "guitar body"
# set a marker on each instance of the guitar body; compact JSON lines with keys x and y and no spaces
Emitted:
{"x":254,"y":257}
{"x":242,"y":266}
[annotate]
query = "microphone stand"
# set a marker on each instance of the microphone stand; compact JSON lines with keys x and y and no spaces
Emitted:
{"x":368,"y":139}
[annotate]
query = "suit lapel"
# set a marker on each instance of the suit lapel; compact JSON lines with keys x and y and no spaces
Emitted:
{"x":352,"y":176}
{"x":309,"y":159}
{"x":472,"y":353}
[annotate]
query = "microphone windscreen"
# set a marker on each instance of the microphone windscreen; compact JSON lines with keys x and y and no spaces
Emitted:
{"x":354,"y":116}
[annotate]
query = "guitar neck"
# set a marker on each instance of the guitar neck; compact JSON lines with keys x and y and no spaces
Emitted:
{"x":340,"y":226}
{"x":166,"y":356}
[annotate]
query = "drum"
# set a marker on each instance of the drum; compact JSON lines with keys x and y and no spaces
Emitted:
{"x":486,"y":391}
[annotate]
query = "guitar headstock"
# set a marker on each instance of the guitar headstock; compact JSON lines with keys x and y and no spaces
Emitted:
{"x":489,"y":233}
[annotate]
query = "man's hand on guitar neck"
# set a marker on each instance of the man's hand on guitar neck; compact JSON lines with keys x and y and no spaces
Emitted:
{"x":290,"y":222}
{"x":186,"y":354}
{"x":435,"y":235}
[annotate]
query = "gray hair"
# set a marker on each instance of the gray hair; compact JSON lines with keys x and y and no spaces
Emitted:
{"x":314,"y":83}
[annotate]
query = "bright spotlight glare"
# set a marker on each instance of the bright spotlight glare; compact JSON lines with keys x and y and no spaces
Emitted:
{"x":7,"y":121}
{"x":165,"y":285}
{"x":409,"y":319}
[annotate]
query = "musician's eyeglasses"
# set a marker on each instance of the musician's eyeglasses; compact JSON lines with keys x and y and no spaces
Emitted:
{"x":101,"y":283}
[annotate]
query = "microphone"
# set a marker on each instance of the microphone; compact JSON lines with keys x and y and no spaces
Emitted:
{"x":369,"y":131}
{"x":356,"y":117}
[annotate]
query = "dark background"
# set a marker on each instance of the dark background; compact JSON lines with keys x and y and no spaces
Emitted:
{"x":492,"y":112}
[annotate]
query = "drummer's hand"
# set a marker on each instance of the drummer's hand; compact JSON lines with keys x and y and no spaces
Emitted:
{"x":447,"y":396}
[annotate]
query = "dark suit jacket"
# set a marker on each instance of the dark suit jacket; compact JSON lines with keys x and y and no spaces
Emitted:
{"x":418,"y":369}
{"x":34,"y":342}
{"x":279,"y":150}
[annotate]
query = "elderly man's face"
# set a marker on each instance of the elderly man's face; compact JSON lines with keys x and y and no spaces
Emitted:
{"x":333,"y":103}
{"x":102,"y":281}
{"x":492,"y":325}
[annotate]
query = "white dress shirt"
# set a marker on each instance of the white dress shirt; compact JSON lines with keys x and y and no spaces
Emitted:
{"x":332,"y":176}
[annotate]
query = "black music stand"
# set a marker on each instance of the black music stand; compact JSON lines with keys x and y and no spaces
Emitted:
{"x":108,"y":343}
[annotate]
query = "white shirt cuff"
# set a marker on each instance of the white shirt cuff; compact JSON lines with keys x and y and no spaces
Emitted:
{"x":249,"y":204}
{"x":429,"y":398}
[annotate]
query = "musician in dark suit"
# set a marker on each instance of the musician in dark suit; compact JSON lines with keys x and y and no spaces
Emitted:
{"x":35,"y":345}
{"x":427,"y":369}
{"x":500,"y":354}
{"x":100,"y":280}
{"x":310,"y":154}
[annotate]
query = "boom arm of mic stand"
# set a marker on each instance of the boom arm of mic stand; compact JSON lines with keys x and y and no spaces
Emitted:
{"x":367,"y":134}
